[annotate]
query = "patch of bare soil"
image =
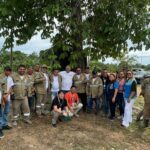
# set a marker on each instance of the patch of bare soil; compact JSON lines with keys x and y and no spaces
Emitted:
{"x":88,"y":132}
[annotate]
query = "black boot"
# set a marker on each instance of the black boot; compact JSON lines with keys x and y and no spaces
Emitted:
{"x":1,"y":134}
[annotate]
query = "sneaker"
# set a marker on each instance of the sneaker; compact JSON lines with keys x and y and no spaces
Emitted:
{"x":7,"y":127}
{"x":1,"y":134}
{"x":54,"y":125}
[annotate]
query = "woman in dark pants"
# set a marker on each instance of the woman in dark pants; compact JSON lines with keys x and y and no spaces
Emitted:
{"x":112,"y":90}
{"x":120,"y":99}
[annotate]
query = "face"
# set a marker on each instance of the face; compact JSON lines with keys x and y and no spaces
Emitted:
{"x":37,"y":68}
{"x":21,"y":70}
{"x":121,"y":74}
{"x":68,"y":68}
{"x":7,"y":73}
{"x":129,"y":74}
{"x":87,"y":71}
{"x":44,"y":69}
{"x":30,"y":71}
{"x":56,"y":72}
{"x":78,"y":71}
{"x":73,"y":90}
{"x":105,"y":73}
{"x":61,"y":95}
{"x":112,"y":78}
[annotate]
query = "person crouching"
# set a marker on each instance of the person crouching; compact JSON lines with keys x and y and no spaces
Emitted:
{"x":59,"y":108}
{"x":73,"y":102}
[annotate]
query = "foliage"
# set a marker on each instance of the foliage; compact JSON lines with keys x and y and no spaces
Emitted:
{"x":18,"y":58}
{"x":95,"y":28}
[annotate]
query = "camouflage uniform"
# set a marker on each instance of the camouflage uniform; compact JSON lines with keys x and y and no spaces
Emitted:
{"x":40,"y":90}
{"x":94,"y":91}
{"x":31,"y":91}
{"x":20,"y":101}
{"x":80,"y":84}
{"x":146,"y":93}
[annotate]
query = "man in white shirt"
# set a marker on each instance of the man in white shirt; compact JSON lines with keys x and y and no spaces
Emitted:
{"x":7,"y":84}
{"x":67,"y":77}
{"x":55,"y":83}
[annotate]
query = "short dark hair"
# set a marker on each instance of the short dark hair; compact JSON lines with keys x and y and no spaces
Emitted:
{"x":21,"y":65}
{"x":7,"y":68}
{"x":61,"y":91}
{"x":73,"y":86}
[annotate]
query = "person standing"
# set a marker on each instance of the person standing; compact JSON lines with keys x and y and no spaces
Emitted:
{"x":7,"y":84}
{"x":55,"y":83}
{"x":120,"y":98}
{"x":105,"y":103}
{"x":67,"y":77}
{"x":79,"y":81}
{"x":94,"y":91}
{"x":145,"y":87}
{"x":112,"y":90}
{"x":87,"y":73}
{"x":20,"y":91}
{"x":40,"y":89}
{"x":31,"y":91}
{"x":73,"y":102}
{"x":130,"y":94}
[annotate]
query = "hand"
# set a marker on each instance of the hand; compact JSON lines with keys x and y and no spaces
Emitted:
{"x":113,"y":99}
{"x":128,"y":100}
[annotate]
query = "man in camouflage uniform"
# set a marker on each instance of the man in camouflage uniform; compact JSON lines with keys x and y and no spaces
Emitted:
{"x":146,"y":93}
{"x":31,"y":90}
{"x":79,"y":81}
{"x":40,"y":90}
{"x":20,"y":91}
{"x":94,"y":91}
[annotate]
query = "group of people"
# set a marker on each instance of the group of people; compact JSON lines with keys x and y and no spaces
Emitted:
{"x":28,"y":90}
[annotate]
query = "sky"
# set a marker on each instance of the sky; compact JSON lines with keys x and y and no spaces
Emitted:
{"x":36,"y":44}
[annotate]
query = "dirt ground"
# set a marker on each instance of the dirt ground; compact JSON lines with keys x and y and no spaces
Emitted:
{"x":88,"y":132}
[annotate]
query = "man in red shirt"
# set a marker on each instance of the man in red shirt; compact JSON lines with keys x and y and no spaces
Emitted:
{"x":73,"y":102}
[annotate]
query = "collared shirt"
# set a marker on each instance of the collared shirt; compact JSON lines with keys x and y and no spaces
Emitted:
{"x":67,"y":80}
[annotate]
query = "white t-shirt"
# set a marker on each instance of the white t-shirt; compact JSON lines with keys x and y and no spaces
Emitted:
{"x":87,"y":76}
{"x":55,"y":84}
{"x":46,"y":81}
{"x":78,"y":76}
{"x":10,"y":83}
{"x":66,"y":80}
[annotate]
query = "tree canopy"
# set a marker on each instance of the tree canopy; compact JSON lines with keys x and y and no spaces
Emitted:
{"x":95,"y":28}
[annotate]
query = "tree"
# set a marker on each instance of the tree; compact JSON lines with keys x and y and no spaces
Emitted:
{"x":95,"y":28}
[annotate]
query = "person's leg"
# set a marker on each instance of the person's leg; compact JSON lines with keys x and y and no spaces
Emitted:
{"x":84,"y":101}
{"x":97,"y":104}
{"x":78,"y":108}
{"x":1,"y":117}
{"x":89,"y":104}
{"x":5,"y":114}
{"x":146,"y":122}
{"x":16,"y":104}
{"x":140,"y":114}
{"x":55,"y":116}
{"x":26,"y":110}
{"x":105,"y":104}
{"x":53,"y":95}
{"x":39,"y":98}
{"x":128,"y":113}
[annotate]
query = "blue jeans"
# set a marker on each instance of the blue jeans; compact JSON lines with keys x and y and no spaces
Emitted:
{"x":54,"y":94}
{"x":90,"y":104}
{"x":4,"y":111}
{"x":105,"y":104}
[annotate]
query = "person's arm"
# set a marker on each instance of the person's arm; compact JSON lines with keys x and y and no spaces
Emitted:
{"x":116,"y":85}
{"x":133,"y":91}
{"x":39,"y":79}
{"x":100,"y":88}
{"x":56,"y":109}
